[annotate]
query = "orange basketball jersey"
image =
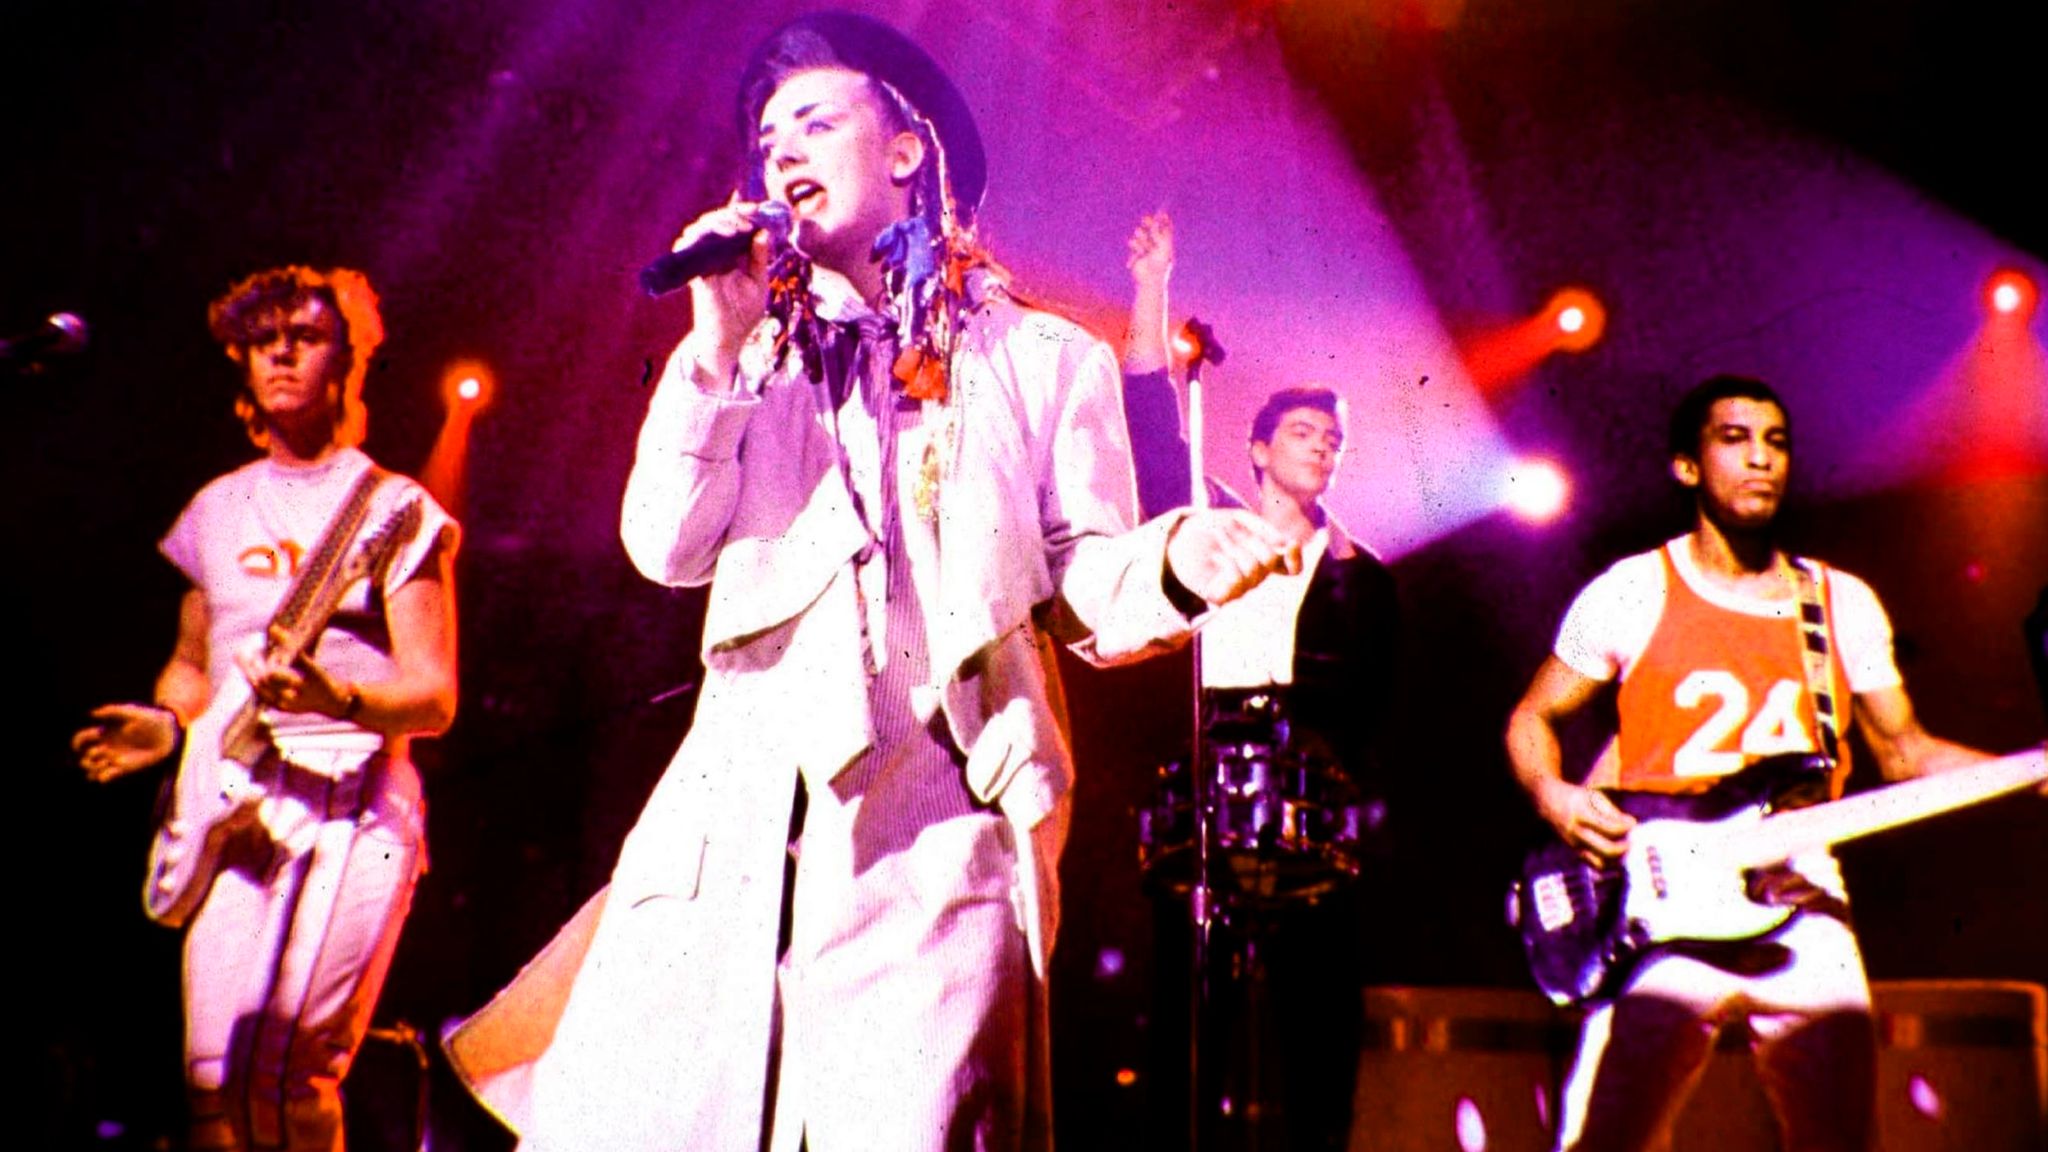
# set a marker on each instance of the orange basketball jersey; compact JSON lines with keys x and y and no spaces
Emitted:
{"x":1716,"y":689}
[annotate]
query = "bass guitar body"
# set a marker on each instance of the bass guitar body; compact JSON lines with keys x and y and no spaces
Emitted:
{"x":1584,"y":927}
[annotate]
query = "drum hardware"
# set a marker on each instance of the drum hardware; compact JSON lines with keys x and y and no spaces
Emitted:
{"x":1270,"y":823}
{"x":1282,"y":825}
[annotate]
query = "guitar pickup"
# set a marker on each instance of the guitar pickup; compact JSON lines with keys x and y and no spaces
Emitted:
{"x":1655,"y":862}
{"x":1553,"y":899}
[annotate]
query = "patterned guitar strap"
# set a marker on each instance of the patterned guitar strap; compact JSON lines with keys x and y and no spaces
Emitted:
{"x":1814,"y":634}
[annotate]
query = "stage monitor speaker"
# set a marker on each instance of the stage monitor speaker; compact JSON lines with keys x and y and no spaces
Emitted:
{"x":1962,"y":1064}
{"x":1962,"y":1067}
{"x":1458,"y":1068}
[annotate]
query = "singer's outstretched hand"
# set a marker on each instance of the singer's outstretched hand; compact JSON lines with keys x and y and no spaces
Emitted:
{"x":725,"y":306}
{"x":1220,"y":554}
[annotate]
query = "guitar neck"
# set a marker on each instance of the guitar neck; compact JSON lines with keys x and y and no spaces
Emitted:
{"x":1781,"y":836}
{"x":317,"y":589}
{"x":293,"y":628}
{"x":312,"y":602}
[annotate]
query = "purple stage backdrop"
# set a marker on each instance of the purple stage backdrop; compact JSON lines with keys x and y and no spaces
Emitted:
{"x":1368,"y":194}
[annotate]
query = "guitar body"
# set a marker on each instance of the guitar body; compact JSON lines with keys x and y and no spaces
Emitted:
{"x":1684,"y":874}
{"x":208,"y":801}
{"x":1678,"y":885}
{"x":1583,"y":928}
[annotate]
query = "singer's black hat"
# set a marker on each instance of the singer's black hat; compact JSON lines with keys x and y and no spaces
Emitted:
{"x":864,"y":44}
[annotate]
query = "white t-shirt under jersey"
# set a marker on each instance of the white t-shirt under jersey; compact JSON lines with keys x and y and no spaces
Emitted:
{"x":1611,"y":622}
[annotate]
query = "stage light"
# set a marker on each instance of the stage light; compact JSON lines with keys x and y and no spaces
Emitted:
{"x":1577,"y":318}
{"x":1572,"y":320}
{"x":467,"y":385}
{"x":1125,"y":1077}
{"x":2011,"y":293}
{"x":1535,"y":490}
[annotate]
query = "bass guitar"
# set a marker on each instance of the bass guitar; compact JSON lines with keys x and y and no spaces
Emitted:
{"x":213,"y":794}
{"x":1684,"y":873}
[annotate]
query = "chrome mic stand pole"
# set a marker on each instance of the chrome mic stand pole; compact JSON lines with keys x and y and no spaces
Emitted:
{"x":1201,"y":893}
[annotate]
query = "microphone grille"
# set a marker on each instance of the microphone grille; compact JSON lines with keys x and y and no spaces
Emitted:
{"x":776,"y":217}
{"x":73,"y":329}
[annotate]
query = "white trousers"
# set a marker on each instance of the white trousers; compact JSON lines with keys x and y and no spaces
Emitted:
{"x":283,"y":965}
{"x":1802,"y":994}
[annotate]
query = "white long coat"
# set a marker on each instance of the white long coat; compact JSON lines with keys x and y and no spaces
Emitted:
{"x":648,"y":1022}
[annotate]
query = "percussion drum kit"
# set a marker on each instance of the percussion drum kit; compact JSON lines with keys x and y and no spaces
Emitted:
{"x":1285,"y":825}
{"x":1271,"y":822}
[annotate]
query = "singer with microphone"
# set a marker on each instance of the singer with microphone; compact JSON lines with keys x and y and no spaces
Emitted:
{"x":712,"y":253}
{"x":831,"y":926}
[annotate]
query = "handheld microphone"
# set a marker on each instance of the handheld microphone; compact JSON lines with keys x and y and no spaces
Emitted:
{"x":713,"y":252}
{"x":62,"y":334}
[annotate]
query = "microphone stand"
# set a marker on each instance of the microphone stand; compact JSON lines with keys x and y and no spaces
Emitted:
{"x":1201,"y":893}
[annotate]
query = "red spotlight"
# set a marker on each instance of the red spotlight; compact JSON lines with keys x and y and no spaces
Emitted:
{"x":467,"y":385}
{"x":1571,"y":321}
{"x":2011,"y":293}
{"x":1576,"y":318}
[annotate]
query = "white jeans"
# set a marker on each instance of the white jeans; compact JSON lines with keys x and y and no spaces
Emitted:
{"x":283,"y":965}
{"x":1805,"y":999}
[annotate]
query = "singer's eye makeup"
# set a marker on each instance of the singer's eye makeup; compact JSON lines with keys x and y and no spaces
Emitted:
{"x":809,"y":120}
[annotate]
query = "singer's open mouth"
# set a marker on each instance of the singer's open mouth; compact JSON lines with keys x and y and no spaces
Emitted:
{"x":801,"y":191}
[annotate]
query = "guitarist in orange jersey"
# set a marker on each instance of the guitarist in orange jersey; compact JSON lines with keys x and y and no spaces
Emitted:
{"x":1728,"y":652}
{"x":316,"y":639}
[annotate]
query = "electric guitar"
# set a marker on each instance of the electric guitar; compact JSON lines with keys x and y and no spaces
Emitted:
{"x":213,"y":795}
{"x":1683,"y":874}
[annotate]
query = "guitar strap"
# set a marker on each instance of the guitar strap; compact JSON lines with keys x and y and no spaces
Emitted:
{"x":238,"y":740}
{"x":348,"y":519}
{"x":1814,"y":647}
